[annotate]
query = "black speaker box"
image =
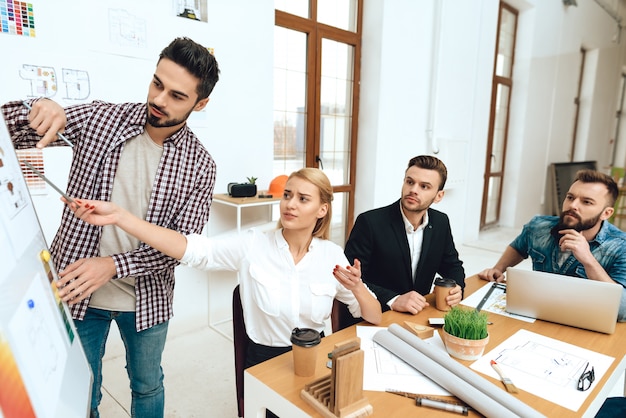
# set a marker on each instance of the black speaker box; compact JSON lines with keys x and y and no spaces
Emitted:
{"x":241,"y":189}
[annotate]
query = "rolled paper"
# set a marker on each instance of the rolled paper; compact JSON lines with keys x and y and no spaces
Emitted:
{"x":473,"y":389}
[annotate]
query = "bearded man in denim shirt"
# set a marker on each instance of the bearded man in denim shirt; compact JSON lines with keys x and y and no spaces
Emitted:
{"x":578,"y":243}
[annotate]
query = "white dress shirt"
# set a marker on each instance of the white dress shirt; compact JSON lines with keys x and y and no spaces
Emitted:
{"x":277,"y":294}
{"x":415,"y":238}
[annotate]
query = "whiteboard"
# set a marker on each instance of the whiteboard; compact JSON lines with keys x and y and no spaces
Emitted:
{"x":43,"y":368}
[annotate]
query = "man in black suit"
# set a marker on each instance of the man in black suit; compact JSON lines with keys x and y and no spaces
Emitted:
{"x":402,"y":246}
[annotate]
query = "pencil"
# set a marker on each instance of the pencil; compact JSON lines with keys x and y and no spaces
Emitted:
{"x":508,"y":383}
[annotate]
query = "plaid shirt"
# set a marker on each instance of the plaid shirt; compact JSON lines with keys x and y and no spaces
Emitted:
{"x":180,"y":200}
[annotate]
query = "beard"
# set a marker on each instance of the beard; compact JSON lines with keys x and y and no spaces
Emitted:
{"x":163,"y":122}
{"x":581,"y":225}
{"x":421,"y":207}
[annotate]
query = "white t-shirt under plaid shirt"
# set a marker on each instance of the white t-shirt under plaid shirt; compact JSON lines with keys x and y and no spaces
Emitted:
{"x":181,"y":195}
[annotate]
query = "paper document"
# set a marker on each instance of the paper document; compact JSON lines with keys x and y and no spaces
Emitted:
{"x":383,"y":370}
{"x":495,"y":303}
{"x":545,"y":367}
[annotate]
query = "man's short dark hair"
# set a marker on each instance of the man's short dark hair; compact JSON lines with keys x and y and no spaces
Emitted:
{"x":428,"y":162}
{"x":197,"y":60}
{"x":593,"y":176}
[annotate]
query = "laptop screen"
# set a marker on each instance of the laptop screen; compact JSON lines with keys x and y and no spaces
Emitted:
{"x":566,"y":300}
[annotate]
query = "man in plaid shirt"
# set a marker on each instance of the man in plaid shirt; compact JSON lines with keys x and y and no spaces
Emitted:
{"x":144,"y":157}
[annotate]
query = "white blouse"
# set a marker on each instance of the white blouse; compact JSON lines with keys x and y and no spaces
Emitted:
{"x":277,"y":295}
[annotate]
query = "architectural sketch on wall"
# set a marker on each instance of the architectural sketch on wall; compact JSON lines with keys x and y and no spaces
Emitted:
{"x":126,"y":29}
{"x":17,"y":18}
{"x":43,"y":80}
{"x":192,"y":9}
{"x":75,"y":83}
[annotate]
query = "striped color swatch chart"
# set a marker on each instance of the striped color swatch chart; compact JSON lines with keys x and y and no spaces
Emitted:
{"x":17,"y":18}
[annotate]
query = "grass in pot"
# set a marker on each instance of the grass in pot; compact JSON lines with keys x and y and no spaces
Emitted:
{"x":465,"y":333}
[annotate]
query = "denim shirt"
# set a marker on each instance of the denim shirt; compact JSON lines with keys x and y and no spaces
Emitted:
{"x":608,"y":247}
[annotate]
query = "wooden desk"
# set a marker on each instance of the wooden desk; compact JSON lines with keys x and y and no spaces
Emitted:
{"x":273,"y":384}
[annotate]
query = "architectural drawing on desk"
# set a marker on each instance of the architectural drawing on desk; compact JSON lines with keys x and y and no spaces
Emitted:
{"x":388,"y":363}
{"x":547,"y":363}
{"x":42,"y":80}
{"x":76,"y":84}
{"x":127,"y":30}
{"x":496,"y":302}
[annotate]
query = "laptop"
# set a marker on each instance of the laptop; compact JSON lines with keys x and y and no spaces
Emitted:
{"x":566,"y":300}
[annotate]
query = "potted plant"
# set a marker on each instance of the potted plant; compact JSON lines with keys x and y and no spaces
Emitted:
{"x":465,"y":333}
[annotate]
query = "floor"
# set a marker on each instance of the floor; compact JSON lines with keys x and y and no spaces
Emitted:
{"x":198,"y":363}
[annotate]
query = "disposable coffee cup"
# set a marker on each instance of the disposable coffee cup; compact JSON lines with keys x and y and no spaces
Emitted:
{"x":442,"y":290}
{"x":305,"y":347}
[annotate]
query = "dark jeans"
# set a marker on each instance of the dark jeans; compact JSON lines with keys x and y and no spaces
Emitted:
{"x":143,"y":359}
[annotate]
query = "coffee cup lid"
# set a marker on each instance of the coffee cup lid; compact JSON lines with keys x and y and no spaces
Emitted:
{"x":440,"y":281}
{"x":305,"y":337}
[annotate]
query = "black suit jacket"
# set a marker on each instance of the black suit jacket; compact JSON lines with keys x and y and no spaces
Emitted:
{"x":378,"y":239}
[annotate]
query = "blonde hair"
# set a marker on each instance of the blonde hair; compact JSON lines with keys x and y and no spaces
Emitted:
{"x":317,"y":177}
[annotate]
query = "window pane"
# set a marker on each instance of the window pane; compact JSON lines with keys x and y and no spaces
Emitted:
{"x":336,"y":110}
{"x":338,"y":13}
{"x":288,"y":142}
{"x":289,"y":100}
{"x":289,"y":49}
{"x":295,"y":7}
{"x":499,"y":129}
{"x":338,"y":221}
{"x":492,"y":200}
{"x":504,"y":60}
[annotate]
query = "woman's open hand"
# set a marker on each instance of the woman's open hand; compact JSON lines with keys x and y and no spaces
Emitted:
{"x":350,"y":276}
{"x":94,"y":212}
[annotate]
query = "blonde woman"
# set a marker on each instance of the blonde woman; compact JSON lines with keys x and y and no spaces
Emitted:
{"x":288,"y":277}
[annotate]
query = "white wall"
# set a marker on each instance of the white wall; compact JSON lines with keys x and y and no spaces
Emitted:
{"x":545,"y":84}
{"x":236,"y":127}
{"x":426,"y":75}
{"x":426,"y":84}
{"x":400,"y":49}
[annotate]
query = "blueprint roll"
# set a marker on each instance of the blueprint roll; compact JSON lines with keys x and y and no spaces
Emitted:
{"x":468,"y":386}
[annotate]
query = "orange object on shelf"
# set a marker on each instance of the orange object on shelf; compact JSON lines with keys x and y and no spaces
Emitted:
{"x":277,"y":185}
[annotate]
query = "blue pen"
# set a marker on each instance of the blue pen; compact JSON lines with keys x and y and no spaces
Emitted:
{"x":67,"y":141}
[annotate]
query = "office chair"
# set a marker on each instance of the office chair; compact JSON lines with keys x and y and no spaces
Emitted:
{"x":340,"y":316}
{"x":240,"y":342}
{"x":614,"y":407}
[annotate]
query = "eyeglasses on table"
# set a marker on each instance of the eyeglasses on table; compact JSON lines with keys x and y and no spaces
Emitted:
{"x":586,"y":378}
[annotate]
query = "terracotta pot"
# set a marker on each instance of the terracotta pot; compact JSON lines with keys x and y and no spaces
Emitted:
{"x":464,"y":349}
